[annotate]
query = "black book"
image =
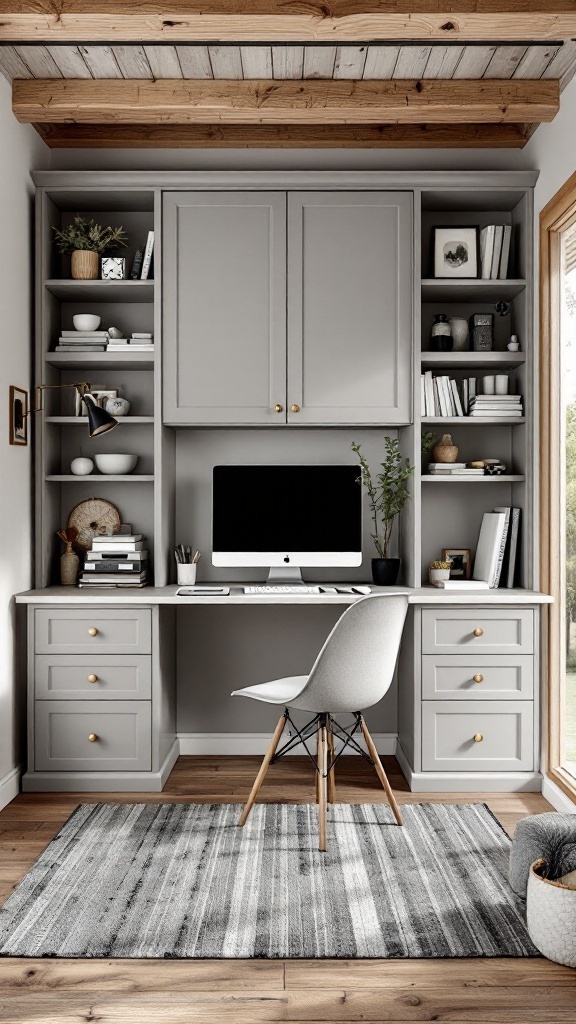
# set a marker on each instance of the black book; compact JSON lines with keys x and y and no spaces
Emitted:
{"x":136,"y":265}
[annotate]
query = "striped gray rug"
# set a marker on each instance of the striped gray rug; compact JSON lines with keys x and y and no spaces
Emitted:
{"x":181,"y":880}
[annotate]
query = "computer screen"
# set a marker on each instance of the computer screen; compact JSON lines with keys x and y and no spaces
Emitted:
{"x":286,"y":515}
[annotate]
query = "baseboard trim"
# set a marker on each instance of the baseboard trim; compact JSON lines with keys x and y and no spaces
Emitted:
{"x":9,"y":786}
{"x":474,"y":782}
{"x":209,"y":744}
{"x":557,"y":797}
{"x":102,"y":782}
{"x":404,"y":763}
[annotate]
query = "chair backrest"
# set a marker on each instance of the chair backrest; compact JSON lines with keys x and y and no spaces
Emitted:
{"x":356,"y":664}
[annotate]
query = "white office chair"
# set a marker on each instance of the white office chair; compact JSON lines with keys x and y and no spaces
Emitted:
{"x":353,"y":671}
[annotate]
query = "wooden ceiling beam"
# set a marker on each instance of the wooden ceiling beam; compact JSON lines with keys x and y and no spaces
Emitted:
{"x":417,"y":136}
{"x":151,"y":21}
{"x":176,"y":101}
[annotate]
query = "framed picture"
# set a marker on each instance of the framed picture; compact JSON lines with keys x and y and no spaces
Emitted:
{"x":461,"y":559}
{"x":18,"y":412}
{"x":455,"y":251}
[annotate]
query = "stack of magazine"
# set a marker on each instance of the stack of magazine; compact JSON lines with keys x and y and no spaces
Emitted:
{"x":82,"y":341}
{"x":116,"y":561}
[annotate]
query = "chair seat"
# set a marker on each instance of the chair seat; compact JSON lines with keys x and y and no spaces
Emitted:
{"x":277,"y":691}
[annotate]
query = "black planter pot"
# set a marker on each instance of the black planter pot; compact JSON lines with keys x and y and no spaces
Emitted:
{"x":385,"y":571}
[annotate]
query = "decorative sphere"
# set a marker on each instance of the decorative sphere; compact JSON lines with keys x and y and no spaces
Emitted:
{"x":81,"y":467}
{"x":118,"y":406}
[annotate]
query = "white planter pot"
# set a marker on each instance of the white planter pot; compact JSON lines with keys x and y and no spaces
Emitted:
{"x":436,"y":575}
{"x":551,"y":917}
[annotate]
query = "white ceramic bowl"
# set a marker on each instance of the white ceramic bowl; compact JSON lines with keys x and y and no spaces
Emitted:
{"x":86,"y":321}
{"x":116,"y":465}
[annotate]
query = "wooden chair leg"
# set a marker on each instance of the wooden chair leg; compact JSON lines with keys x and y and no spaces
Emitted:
{"x":317,"y":779}
{"x":332,"y":775}
{"x":381,"y":773}
{"x":263,"y":769}
{"x":322,"y":762}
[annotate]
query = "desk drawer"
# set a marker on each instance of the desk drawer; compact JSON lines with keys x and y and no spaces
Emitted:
{"x":86,"y":631}
{"x":506,"y":728}
{"x":481,"y":677}
{"x":87,"y":677}
{"x":469,"y":630}
{"x":122,"y":731}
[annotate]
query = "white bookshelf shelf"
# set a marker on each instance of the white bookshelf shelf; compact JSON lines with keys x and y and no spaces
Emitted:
{"x":69,"y":478}
{"x":508,"y":478}
{"x":99,"y":291}
{"x":470,"y":290}
{"x":457,"y":421}
{"x":101,"y":360}
{"x":76,"y":421}
{"x":472,"y":360}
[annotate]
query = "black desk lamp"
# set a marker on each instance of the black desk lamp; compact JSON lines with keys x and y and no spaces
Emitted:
{"x":99,"y":421}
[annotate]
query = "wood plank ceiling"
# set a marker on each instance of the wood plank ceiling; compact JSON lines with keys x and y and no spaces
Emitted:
{"x":408,"y":89}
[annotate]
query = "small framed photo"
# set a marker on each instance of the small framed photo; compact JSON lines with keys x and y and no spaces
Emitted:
{"x":455,"y":251}
{"x":461,"y":559}
{"x":18,"y":412}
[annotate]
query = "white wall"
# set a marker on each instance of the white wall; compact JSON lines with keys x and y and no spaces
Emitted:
{"x":552,"y":149}
{"x":21,"y":150}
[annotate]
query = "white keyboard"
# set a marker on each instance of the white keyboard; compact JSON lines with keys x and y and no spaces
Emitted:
{"x":282,"y":590}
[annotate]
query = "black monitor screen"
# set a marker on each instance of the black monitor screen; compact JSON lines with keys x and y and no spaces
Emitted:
{"x":286,"y":508}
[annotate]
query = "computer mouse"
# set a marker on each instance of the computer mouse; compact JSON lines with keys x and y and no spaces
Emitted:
{"x":361,"y":590}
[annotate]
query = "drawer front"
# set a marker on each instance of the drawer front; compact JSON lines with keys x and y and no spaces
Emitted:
{"x":449,"y":728}
{"x":467,"y":630}
{"x":86,"y":631}
{"x":122,"y":731}
{"x":83,"y":677}
{"x":486,"y":677}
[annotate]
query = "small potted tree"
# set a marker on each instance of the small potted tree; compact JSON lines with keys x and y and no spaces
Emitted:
{"x":87,"y":241}
{"x":388,"y":494}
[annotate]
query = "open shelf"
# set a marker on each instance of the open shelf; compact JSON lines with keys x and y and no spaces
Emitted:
{"x":96,"y":291}
{"x":72,"y":421}
{"x":456,"y":479}
{"x":457,"y":421}
{"x":69,"y":478}
{"x":101,"y":360}
{"x":473,"y":360}
{"x":439,"y":289}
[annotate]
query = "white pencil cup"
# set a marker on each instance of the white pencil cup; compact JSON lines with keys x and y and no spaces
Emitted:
{"x":186,"y":573}
{"x":488,"y":385}
{"x":501,"y":381}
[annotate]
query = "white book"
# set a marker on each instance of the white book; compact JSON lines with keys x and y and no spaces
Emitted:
{"x":143,"y":335}
{"x":429,"y":388}
{"x":498,"y":233}
{"x":447,"y":465}
{"x":488,"y":547}
{"x":442,"y":397}
{"x":80,"y":334}
{"x":498,"y":398}
{"x":448,"y":396}
{"x":147,"y":256}
{"x":462,"y":585}
{"x":456,"y":398}
{"x":496,"y":413}
{"x":486,"y":250}
{"x":471,"y":388}
{"x":503,"y":269}
{"x":422,"y":396}
{"x":437,"y":404}
{"x":116,"y":555}
{"x":131,"y":348}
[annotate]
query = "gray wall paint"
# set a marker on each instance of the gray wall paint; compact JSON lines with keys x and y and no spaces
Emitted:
{"x":21,"y":150}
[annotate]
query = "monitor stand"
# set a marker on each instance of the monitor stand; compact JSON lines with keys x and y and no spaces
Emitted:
{"x":287,"y":575}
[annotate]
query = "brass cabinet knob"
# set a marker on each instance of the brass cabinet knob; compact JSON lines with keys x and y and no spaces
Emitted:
{"x":278,"y":408}
{"x":478,"y":678}
{"x":92,"y":678}
{"x":478,"y":737}
{"x":294,"y":408}
{"x":93,"y":631}
{"x":92,"y":737}
{"x":478,"y":631}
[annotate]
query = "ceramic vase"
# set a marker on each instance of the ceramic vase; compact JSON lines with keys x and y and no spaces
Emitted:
{"x":69,"y":565}
{"x":436,"y":575}
{"x":85,"y":265}
{"x":445,"y":451}
{"x":551,"y":916}
{"x":460,"y":333}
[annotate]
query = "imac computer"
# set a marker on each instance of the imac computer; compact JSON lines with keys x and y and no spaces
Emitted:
{"x":285,"y":518}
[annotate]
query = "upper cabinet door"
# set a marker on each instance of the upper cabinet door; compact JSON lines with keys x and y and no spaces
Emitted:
{"x":349,"y":307}
{"x":224,"y":301}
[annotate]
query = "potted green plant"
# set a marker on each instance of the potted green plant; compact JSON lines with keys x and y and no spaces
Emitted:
{"x":87,"y":241}
{"x":388,"y":494}
{"x":438,"y":571}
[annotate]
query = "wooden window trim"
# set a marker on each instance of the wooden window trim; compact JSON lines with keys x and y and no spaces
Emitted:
{"x":558,"y":215}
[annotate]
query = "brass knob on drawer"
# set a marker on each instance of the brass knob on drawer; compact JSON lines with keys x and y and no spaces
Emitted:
{"x":478,"y":737}
{"x":478,"y":631}
{"x":278,"y":408}
{"x":478,"y":678}
{"x":294,"y":408}
{"x":92,"y":678}
{"x":92,"y":631}
{"x":92,"y":737}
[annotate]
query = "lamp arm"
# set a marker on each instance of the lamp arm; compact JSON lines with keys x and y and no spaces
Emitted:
{"x":81,"y":386}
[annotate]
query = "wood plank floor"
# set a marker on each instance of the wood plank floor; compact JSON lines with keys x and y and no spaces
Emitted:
{"x":497,"y":991}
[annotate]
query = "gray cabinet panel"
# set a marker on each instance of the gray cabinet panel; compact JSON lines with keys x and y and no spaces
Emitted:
{"x":484,"y":630}
{"x":122,"y":731}
{"x":349,"y":307}
{"x":86,"y":631}
{"x":83,"y":677}
{"x":506,"y":728}
{"x":482,"y":677}
{"x":224,"y":333}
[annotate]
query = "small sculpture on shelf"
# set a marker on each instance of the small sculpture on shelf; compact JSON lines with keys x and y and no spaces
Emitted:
{"x":69,"y":561}
{"x":445,"y":450}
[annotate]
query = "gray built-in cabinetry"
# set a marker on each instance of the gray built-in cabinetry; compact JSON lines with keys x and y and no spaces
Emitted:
{"x":297,"y":301}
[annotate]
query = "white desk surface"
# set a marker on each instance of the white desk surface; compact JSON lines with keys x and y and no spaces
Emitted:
{"x":167,"y":595}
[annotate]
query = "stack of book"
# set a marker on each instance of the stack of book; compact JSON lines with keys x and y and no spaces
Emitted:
{"x":497,"y":552}
{"x":82,"y":341}
{"x":142,"y":341}
{"x":496,"y":406}
{"x":495,"y":251}
{"x":116,"y":561}
{"x":453,"y":469}
{"x":440,"y":396}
